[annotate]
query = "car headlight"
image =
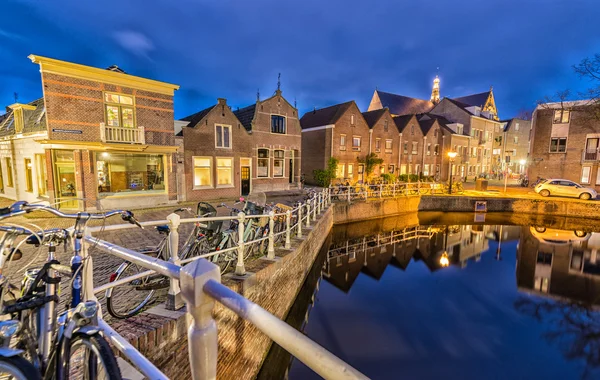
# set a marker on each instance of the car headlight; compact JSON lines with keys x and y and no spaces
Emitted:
{"x":9,"y":328}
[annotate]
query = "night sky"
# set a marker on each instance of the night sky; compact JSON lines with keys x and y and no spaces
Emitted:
{"x":327,"y":51}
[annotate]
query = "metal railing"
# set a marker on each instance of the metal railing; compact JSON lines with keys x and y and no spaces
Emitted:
{"x":199,"y":285}
{"x":590,"y":155}
{"x":364,"y":192}
{"x":134,"y":135}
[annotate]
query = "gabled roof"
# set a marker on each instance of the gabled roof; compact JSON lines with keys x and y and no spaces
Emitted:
{"x":402,"y":121}
{"x":246,"y":115}
{"x":372,"y":117}
{"x":478,"y":100}
{"x":403,"y":105}
{"x":195,"y":118}
{"x":33,"y":120}
{"x":324,"y":116}
{"x":442,"y":121}
{"x":426,"y":125}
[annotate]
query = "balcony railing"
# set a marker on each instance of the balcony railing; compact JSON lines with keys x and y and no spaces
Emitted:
{"x":590,"y":155}
{"x":122,"y":135}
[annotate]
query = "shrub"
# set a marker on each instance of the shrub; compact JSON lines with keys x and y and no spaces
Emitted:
{"x":388,"y":178}
{"x":322,"y":177}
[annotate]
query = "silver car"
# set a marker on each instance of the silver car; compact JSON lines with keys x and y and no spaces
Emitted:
{"x":565,"y":188}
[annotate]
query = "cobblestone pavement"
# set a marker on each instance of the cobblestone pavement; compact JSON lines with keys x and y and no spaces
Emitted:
{"x":104,"y":264}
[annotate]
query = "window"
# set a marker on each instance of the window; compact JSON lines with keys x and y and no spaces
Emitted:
{"x":119,"y":110}
{"x":352,"y":119}
{"x":426,"y":169}
{"x":342,"y":142}
{"x":202,"y":172}
{"x":356,"y":143}
{"x":223,"y":136}
{"x":585,"y":174}
{"x":412,"y":129}
{"x":429,"y":149}
{"x":388,"y":146}
{"x":1,"y":181}
{"x":597,"y":178}
{"x":377,"y":145}
{"x":391,"y":169}
{"x":382,"y":169}
{"x":128,"y":172}
{"x":544,"y":258}
{"x":403,"y":169}
{"x":516,"y":139}
{"x":558,"y":144}
{"x":224,"y":171}
{"x":28,"y":175}
{"x":561,"y":116}
{"x":340,"y":170}
{"x":9,"y":172}
{"x":361,"y":169}
{"x":459,"y":129}
{"x":435,"y":133}
{"x":436,"y":150}
{"x":278,"y":163}
{"x":385,"y":126}
{"x":405,"y":148}
{"x":41,"y":176}
{"x":417,"y":169}
{"x":415,"y":145}
{"x":263,"y":163}
{"x":350,"y":170}
{"x":278,"y":124}
{"x":517,"y":127}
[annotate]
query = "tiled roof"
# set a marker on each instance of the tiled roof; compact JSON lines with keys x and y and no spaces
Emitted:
{"x":443,"y":122}
{"x":403,"y":105}
{"x":426,"y":125}
{"x":246,"y":115}
{"x":475,"y":99}
{"x":373,"y":117}
{"x":33,"y":120}
{"x":402,"y":121}
{"x":195,"y":118}
{"x":324,"y":116}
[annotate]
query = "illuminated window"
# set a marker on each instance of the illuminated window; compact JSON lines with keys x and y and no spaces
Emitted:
{"x":128,"y":172}
{"x":352,"y":119}
{"x":224,"y":171}
{"x":350,"y":170}
{"x":9,"y":172}
{"x":340,"y":170}
{"x":342,"y":142}
{"x":202,"y":172}
{"x":119,"y":110}
{"x":561,"y":116}
{"x":278,"y":163}
{"x":223,"y":136}
{"x":278,"y":124}
{"x":41,"y":174}
{"x":28,"y":175}
{"x":263,"y":163}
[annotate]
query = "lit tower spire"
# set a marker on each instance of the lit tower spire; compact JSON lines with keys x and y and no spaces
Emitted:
{"x":435,"y":91}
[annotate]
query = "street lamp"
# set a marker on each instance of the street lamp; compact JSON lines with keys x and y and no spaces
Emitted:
{"x":451,"y":155}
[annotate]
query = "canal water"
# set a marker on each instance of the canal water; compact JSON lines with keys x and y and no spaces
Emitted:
{"x":432,"y":296}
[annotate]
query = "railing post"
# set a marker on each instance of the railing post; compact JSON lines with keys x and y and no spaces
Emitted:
{"x":314,"y":208}
{"x":288,"y":229}
{"x":380,"y":190}
{"x":202,"y":333}
{"x":329,"y":195}
{"x":174,"y":301}
{"x":348,"y":194}
{"x":271,"y":251}
{"x":308,"y":213}
{"x":394,"y":191}
{"x":299,"y":233}
{"x":319,"y":203}
{"x":240,"y":269}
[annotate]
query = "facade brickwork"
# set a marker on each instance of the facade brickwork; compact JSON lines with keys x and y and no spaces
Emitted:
{"x":412,"y":141}
{"x":386,"y":131}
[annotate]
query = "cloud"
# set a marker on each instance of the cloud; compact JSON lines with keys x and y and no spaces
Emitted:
{"x":135,"y":42}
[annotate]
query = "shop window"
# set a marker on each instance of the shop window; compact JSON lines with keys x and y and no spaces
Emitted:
{"x":278,"y":163}
{"x":28,"y":175}
{"x":121,"y":173}
{"x":224,"y":171}
{"x":119,"y":110}
{"x":263,"y":163}
{"x":41,"y":174}
{"x":202,"y":172}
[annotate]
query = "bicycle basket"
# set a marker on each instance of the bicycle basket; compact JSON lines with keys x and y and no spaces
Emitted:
{"x":253,"y":209}
{"x":208,"y":211}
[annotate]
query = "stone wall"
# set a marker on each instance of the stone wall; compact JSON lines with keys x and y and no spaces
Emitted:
{"x":161,"y":335}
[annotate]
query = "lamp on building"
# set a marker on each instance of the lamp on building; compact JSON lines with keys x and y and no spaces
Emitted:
{"x":523,"y":162}
{"x":451,"y":155}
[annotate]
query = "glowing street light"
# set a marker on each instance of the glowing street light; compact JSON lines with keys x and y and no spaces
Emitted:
{"x":451,"y":155}
{"x":444,"y":260}
{"x":523,"y":162}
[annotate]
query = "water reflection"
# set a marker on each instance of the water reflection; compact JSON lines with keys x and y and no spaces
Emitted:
{"x":476,"y":299}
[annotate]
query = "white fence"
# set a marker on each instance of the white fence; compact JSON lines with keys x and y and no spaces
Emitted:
{"x":363,"y":192}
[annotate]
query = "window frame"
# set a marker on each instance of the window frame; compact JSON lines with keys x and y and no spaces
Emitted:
{"x":120,"y":105}
{"x":350,"y":171}
{"x":28,"y":174}
{"x":40,"y":167}
{"x":259,"y":159}
{"x":281,"y":160}
{"x":557,"y":150}
{"x":377,"y":145}
{"x":210,"y":171}
{"x":10,"y":182}
{"x":230,"y":142}
{"x":561,"y":112}
{"x":284,"y":118}
{"x":391,"y":144}
{"x":356,"y":148}
{"x":589,"y":174}
{"x":343,"y":139}
{"x":415,"y":147}
{"x":232,"y":167}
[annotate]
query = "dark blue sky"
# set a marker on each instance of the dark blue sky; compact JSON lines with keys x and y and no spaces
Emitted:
{"x":328,"y":51}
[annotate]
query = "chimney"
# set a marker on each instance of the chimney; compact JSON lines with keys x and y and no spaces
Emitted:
{"x":222,"y":101}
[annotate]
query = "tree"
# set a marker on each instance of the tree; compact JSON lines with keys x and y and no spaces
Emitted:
{"x":370,"y":161}
{"x":322,"y":177}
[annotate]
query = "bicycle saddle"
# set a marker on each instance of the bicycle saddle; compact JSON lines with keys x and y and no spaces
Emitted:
{"x":163,"y":229}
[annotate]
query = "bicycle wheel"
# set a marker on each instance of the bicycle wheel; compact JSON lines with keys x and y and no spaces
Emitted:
{"x":128,"y":299}
{"x":17,"y":368}
{"x":249,"y":248}
{"x":87,"y":357}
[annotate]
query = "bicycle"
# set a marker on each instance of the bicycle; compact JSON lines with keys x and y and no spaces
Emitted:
{"x":53,"y":342}
{"x":131,"y":297}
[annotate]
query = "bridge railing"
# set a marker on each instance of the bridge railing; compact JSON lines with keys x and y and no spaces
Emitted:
{"x":363,"y":192}
{"x":199,"y":285}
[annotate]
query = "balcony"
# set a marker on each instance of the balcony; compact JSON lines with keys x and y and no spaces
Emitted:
{"x":122,"y":135}
{"x":590,"y":155}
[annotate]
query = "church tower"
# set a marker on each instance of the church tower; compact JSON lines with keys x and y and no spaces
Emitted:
{"x":435,"y":92}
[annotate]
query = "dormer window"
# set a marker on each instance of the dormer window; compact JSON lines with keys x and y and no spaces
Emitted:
{"x":119,"y":110}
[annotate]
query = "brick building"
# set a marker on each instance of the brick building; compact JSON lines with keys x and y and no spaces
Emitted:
{"x":564,"y":143}
{"x":97,"y":139}
{"x":232,"y":153}
{"x":512,"y":146}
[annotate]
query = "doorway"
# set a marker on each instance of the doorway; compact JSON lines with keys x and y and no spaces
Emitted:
{"x":245,"y":175}
{"x":291,"y":170}
{"x":66,"y":189}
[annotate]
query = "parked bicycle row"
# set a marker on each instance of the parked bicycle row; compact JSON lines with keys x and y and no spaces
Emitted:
{"x":40,"y":341}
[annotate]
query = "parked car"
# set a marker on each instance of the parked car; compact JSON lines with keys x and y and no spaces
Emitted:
{"x":565,"y":188}
{"x":555,"y":236}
